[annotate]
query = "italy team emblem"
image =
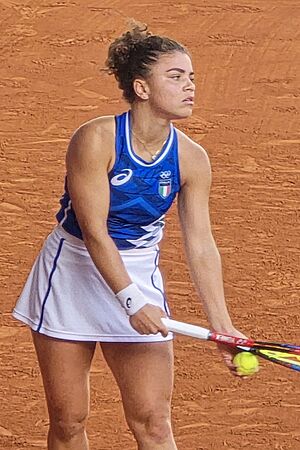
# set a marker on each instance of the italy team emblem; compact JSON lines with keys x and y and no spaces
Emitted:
{"x":165,"y":184}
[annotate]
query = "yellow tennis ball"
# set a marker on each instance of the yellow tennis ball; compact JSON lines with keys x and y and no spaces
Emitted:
{"x":246,"y":363}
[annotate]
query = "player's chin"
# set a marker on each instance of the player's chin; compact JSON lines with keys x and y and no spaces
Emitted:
{"x":184,"y":112}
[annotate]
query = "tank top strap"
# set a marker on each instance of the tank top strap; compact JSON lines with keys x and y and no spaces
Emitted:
{"x":120,"y":136}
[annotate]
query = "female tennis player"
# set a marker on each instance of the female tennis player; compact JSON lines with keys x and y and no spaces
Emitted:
{"x":96,"y":278}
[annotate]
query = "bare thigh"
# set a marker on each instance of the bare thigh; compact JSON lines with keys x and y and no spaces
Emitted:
{"x":144,"y":373}
{"x":65,"y":367}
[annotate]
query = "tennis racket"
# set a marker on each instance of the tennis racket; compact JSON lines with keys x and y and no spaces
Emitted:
{"x":287,"y":355}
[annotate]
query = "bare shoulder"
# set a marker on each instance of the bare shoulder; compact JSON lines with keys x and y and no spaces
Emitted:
{"x":93,"y":140}
{"x":193,"y":160}
{"x":96,"y":129}
{"x":99,"y":124}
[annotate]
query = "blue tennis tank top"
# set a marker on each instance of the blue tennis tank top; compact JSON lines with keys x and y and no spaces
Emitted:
{"x":141,"y":192}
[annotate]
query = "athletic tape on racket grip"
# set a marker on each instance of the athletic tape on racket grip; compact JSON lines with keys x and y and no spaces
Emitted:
{"x":132,"y":299}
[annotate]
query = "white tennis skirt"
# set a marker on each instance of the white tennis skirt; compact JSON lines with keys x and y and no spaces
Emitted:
{"x":65,"y":296}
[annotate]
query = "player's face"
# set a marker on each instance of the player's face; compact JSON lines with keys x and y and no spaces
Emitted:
{"x":171,"y":86}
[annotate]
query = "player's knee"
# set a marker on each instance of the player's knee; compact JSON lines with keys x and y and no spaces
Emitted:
{"x":159,"y":429}
{"x":66,"y":429}
{"x":152,"y":427}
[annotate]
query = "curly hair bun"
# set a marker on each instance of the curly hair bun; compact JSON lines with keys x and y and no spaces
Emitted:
{"x":132,"y":54}
{"x":122,"y":49}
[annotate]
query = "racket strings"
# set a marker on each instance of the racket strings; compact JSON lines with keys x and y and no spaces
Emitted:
{"x":284,"y":358}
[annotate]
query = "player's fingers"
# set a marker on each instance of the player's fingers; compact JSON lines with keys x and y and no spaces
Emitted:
{"x":156,"y":326}
{"x":228,"y":359}
{"x":144,"y":326}
{"x":163,"y":329}
{"x":148,"y":320}
{"x":138,"y":325}
{"x":154,"y":323}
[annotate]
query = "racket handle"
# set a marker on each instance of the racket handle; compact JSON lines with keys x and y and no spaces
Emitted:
{"x":186,"y":329}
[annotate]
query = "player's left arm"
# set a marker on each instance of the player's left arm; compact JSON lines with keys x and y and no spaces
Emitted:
{"x":202,"y":254}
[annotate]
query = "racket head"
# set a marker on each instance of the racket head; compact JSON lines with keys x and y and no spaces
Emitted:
{"x":286,"y":355}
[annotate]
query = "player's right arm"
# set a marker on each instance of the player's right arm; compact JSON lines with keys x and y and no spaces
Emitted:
{"x":89,"y":158}
{"x":88,"y":162}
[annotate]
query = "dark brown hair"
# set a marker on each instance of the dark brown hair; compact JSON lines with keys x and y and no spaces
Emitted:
{"x":132,"y":54}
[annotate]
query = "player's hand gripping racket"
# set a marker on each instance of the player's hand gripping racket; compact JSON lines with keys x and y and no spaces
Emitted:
{"x":287,"y":355}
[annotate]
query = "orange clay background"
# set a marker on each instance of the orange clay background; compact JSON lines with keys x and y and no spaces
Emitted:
{"x":247,"y":117}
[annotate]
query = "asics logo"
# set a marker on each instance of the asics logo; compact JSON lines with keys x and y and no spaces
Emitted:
{"x":128,"y":302}
{"x":165,"y":174}
{"x":122,"y":178}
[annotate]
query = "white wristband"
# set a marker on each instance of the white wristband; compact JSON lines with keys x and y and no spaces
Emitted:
{"x":131,"y":298}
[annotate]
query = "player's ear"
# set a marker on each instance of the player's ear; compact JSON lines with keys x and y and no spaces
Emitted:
{"x":141,"y":88}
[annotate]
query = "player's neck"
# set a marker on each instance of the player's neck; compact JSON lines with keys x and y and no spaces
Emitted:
{"x":147,"y":126}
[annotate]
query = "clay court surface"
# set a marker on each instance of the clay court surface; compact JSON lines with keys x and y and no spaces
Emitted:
{"x":247,"y":117}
